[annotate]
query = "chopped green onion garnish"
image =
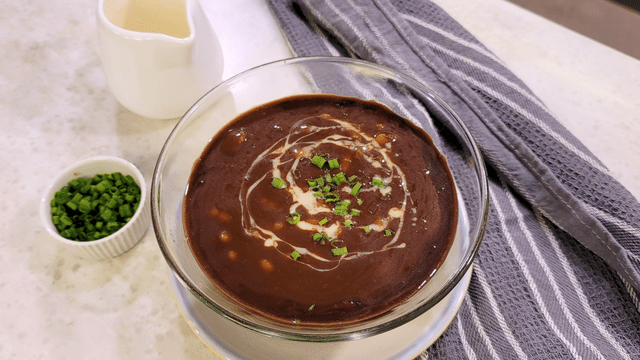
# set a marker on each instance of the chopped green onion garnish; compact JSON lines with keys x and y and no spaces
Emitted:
{"x":106,"y":213}
{"x":323,"y":221}
{"x":103,"y":186}
{"x":104,"y":198}
{"x":355,"y":212}
{"x":388,"y":232}
{"x":360,"y":201}
{"x":311,"y":183}
{"x":327,"y":177}
{"x":71,"y":205}
{"x":341,"y":207}
{"x":84,"y":206}
{"x":339,"y":251}
{"x":339,"y":178}
{"x":348,"y":223}
{"x":129,"y":180}
{"x":295,"y":255}
{"x":352,"y":177}
{"x":112,"y":203}
{"x":293,"y":218}
{"x":320,"y":181}
{"x":318,"y":161}
{"x":125,"y":210}
{"x":74,"y":183}
{"x":76,"y":198}
{"x":105,"y":202}
{"x":379,"y":183}
{"x":277,"y":183}
{"x":367,"y":229}
{"x":311,"y":307}
{"x":356,"y":188}
{"x":317,"y":194}
{"x":112,"y":226}
{"x":318,"y":236}
{"x":65,"y":220}
{"x":333,"y":164}
{"x":326,"y":188}
{"x":344,"y":203}
{"x":331,"y":197}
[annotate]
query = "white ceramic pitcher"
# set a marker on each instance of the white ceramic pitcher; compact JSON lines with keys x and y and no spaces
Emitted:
{"x":159,"y":56}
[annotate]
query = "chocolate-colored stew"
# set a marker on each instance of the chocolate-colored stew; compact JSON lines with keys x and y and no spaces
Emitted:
{"x":320,"y":208}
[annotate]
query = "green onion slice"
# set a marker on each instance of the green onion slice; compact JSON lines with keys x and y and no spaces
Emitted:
{"x":331,"y":197}
{"x":379,"y":183}
{"x":339,"y":251}
{"x":85,"y":205}
{"x":293,"y":218}
{"x":341,"y":207}
{"x":295,"y":255}
{"x":333,"y":164}
{"x":318,"y":161}
{"x":356,"y":188}
{"x":277,"y":183}
{"x":339,"y":178}
{"x":323,"y":221}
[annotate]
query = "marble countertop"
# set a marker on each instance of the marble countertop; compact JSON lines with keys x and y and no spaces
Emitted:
{"x":56,"y":109}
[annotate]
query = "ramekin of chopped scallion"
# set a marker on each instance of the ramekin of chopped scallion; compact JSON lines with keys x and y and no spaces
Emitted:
{"x":98,"y":206}
{"x":92,"y":208}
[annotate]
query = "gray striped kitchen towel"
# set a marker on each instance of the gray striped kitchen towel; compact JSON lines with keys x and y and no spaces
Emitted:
{"x":558,"y":273}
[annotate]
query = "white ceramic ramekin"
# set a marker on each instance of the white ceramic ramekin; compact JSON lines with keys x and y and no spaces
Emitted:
{"x":116,"y":243}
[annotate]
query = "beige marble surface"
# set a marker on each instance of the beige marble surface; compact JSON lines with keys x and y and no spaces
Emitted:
{"x":56,"y":109}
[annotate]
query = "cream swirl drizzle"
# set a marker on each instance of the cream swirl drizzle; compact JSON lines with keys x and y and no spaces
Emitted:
{"x":285,"y":157}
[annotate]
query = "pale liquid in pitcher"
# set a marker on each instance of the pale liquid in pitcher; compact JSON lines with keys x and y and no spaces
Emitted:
{"x":167,"y":17}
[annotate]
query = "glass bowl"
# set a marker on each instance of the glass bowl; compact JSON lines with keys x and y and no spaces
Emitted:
{"x":339,"y":76}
